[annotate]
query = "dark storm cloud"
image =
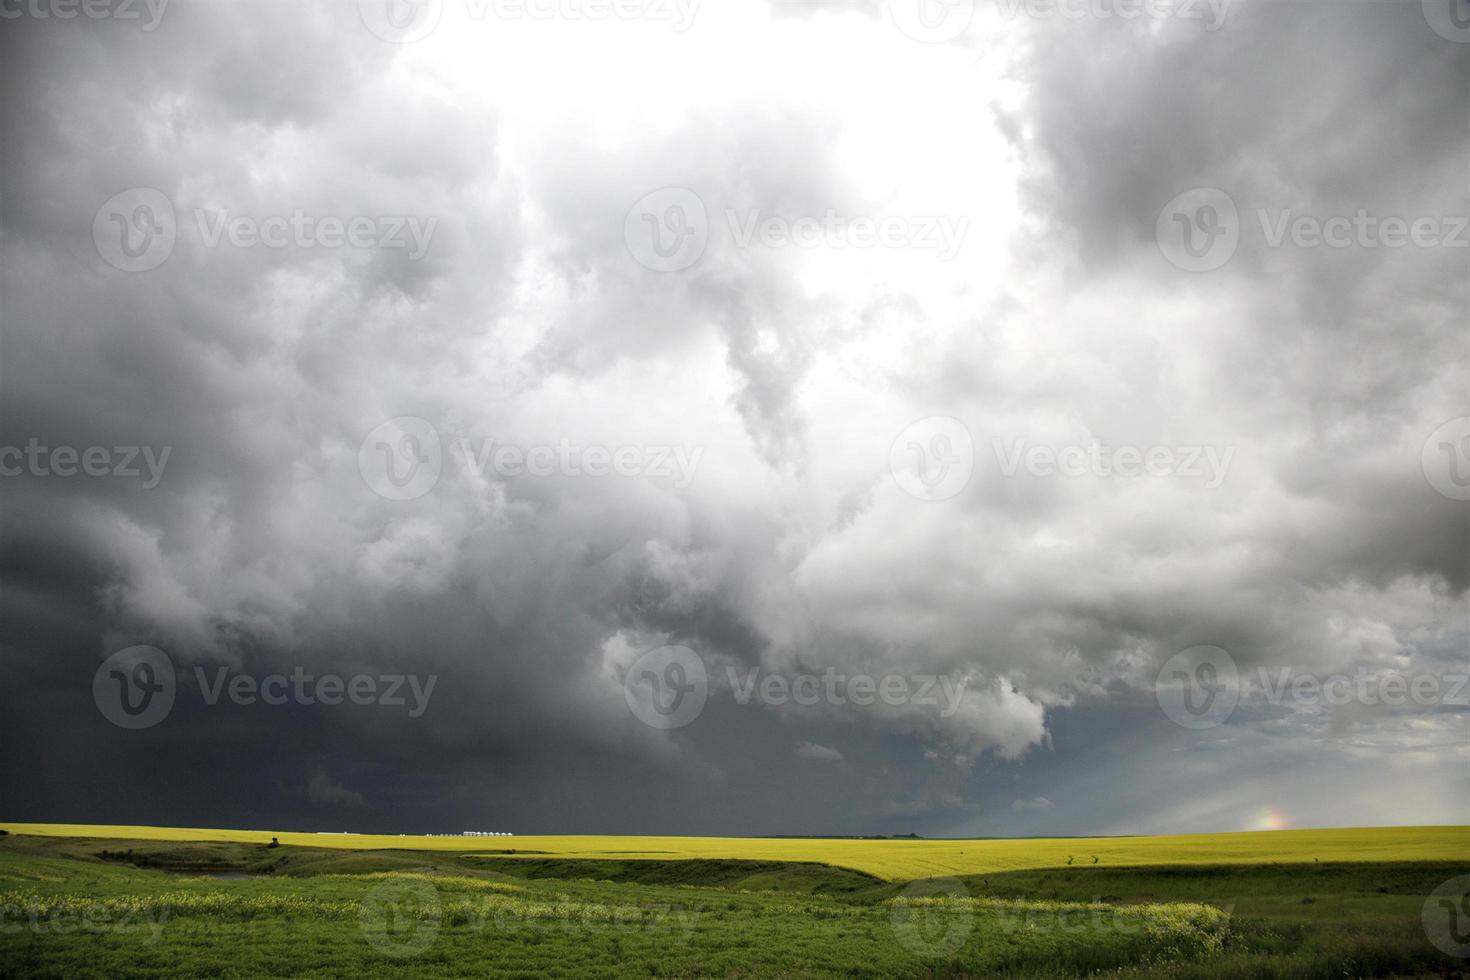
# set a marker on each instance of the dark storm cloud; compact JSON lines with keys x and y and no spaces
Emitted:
{"x":263,"y":548}
{"x":1284,"y":103}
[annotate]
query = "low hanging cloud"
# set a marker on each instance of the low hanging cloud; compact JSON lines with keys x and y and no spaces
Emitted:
{"x":322,"y":791}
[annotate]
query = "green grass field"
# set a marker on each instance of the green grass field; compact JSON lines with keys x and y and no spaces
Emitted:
{"x":133,"y":902}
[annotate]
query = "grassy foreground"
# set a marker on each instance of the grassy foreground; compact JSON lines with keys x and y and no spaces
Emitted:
{"x":161,"y":906}
{"x":891,"y":860}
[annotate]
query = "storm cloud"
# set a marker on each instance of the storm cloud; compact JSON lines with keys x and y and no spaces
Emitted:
{"x":432,"y":408}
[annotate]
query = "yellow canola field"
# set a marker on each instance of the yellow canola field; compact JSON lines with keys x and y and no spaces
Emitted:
{"x":894,"y":860}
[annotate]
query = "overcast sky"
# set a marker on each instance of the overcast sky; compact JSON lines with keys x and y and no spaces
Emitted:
{"x":616,"y":368}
